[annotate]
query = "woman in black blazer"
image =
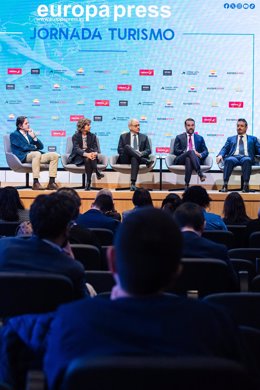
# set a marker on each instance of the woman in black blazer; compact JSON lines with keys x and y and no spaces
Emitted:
{"x":85,"y":150}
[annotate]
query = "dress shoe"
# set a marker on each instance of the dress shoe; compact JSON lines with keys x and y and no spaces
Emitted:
{"x":52,"y":186}
{"x":88,"y":187}
{"x":202,"y":177}
{"x":224,"y":189}
{"x":186,"y":187}
{"x":37,"y":186}
{"x":149,"y":163}
{"x":245,"y":188}
{"x":133,"y":187}
{"x":99,"y":175}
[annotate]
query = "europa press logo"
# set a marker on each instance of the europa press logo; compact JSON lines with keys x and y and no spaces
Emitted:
{"x":239,"y":5}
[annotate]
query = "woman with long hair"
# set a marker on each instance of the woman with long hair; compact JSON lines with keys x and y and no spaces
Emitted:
{"x":11,"y":206}
{"x":234,"y":210}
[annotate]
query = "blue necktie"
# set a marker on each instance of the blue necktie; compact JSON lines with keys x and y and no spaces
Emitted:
{"x":241,"y":147}
{"x":135,"y":142}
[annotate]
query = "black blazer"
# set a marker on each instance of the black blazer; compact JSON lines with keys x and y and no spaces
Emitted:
{"x":143,"y":141}
{"x":76,"y":156}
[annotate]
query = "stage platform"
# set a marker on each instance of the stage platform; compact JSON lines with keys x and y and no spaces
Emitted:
{"x":123,"y":199}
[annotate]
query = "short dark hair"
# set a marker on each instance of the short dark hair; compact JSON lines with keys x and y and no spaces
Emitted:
{"x":142,"y":197}
{"x":50,"y":214}
{"x":20,"y":120}
{"x":73,"y":195}
{"x":148,"y":248}
{"x":188,"y":119}
{"x":189,"y":215}
{"x":196,"y":194}
{"x":242,"y":120}
{"x":104,"y":203}
{"x":171,"y":202}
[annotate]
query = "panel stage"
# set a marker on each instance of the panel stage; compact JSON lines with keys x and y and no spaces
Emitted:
{"x":123,"y":199}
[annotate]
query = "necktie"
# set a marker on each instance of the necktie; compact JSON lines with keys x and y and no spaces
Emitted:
{"x":190,"y":146}
{"x":135,"y":142}
{"x":241,"y":148}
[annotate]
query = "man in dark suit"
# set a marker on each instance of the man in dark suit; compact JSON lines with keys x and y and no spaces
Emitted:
{"x":190,"y":150}
{"x":239,"y":149}
{"x":134,"y":148}
{"x":96,"y":217}
{"x":48,"y":250}
{"x":190,"y":218}
{"x":27,"y":147}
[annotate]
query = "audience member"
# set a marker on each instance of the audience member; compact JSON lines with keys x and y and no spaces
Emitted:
{"x":170,"y":203}
{"x":191,"y":220}
{"x":138,"y":319}
{"x":234,"y":210}
{"x":78,"y":234}
{"x":48,"y":249}
{"x":254,"y":225}
{"x":141,"y":198}
{"x":11,"y":206}
{"x":199,"y":195}
{"x":96,"y":216}
{"x":112,"y":213}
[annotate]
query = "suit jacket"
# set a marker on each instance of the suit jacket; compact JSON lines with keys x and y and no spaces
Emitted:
{"x":149,"y":326}
{"x":96,"y":219}
{"x":229,"y":148}
{"x":76,"y":156}
{"x":34,"y":254}
{"x":195,"y":246}
{"x":143,"y":142}
{"x":180,"y":145}
{"x":20,"y":146}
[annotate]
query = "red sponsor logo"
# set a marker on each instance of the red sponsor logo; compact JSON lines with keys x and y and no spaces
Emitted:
{"x":162,"y":149}
{"x":102,"y":103}
{"x":58,"y":133}
{"x":209,"y":119}
{"x":14,"y":71}
{"x":146,"y":72}
{"x":75,"y":118}
{"x":236,"y":104}
{"x":124,"y":87}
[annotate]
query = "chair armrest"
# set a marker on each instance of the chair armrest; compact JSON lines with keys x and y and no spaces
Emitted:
{"x":169,"y":160}
{"x":113,"y":159}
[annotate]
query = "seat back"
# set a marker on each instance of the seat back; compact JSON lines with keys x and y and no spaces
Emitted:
{"x":141,"y":373}
{"x":240,"y":235}
{"x":243,"y":307}
{"x":251,"y":254}
{"x":32,"y":292}
{"x":105,"y":236}
{"x":88,"y":255}
{"x":204,"y":276}
{"x":220,"y":236}
{"x":102,"y":281}
{"x":254,"y":240}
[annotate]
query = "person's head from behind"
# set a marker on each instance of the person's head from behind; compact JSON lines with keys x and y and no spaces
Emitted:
{"x":198,"y":195}
{"x":170,"y":203}
{"x":51,"y":216}
{"x":190,"y":216}
{"x":146,"y":255}
{"x":142,"y":197}
{"x":234,"y":208}
{"x":73,"y":195}
{"x":10,"y":203}
{"x":103,"y":203}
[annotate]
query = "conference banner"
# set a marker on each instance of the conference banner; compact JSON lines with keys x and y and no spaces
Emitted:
{"x":160,"y":61}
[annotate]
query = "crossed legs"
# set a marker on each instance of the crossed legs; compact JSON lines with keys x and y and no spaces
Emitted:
{"x":191,"y":162}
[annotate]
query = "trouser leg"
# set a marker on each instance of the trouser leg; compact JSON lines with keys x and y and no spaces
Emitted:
{"x":35,"y":159}
{"x":246,"y":165}
{"x":52,"y":159}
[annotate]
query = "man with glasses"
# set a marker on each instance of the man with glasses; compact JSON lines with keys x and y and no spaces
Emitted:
{"x":134,"y":148}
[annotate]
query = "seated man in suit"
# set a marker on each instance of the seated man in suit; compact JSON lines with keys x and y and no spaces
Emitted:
{"x":190,"y":150}
{"x":138,"y":319}
{"x":239,"y":149}
{"x":27,"y":147}
{"x":190,"y":218}
{"x":48,"y":250}
{"x":134,"y":148}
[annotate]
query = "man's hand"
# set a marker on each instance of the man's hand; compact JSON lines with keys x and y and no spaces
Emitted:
{"x":31,"y":133}
{"x":197,"y":154}
{"x":218,"y":159}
